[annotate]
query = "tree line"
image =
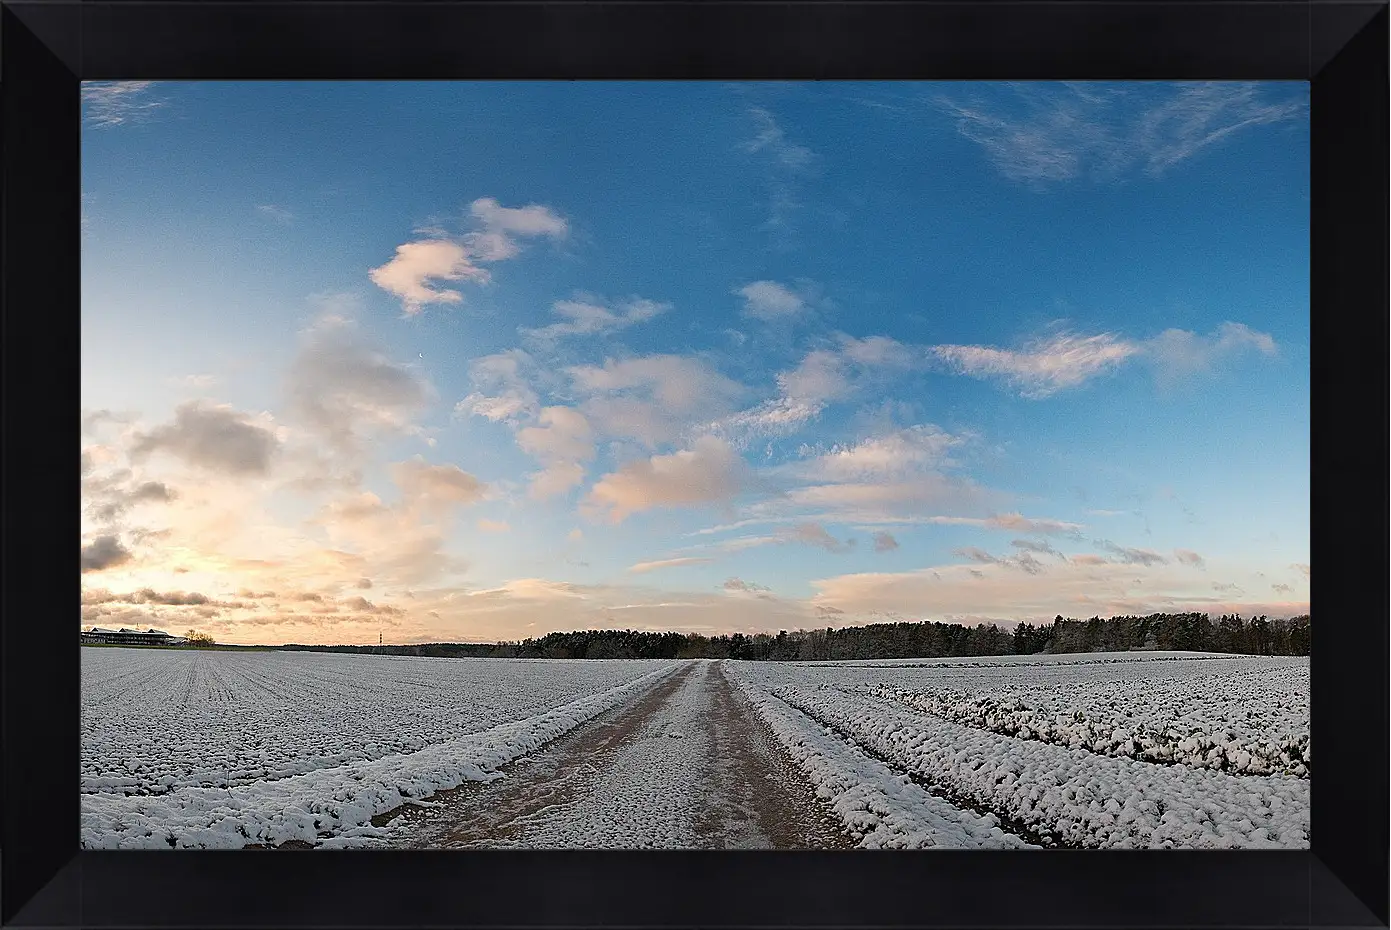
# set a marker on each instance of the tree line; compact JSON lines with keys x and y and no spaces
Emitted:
{"x":900,"y":640}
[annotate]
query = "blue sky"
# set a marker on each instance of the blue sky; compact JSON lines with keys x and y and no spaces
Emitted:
{"x":481,"y":360}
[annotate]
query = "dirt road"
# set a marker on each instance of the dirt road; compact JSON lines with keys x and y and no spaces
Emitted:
{"x":687,"y":765}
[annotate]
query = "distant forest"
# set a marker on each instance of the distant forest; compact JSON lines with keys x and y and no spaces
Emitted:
{"x":1191,"y":632}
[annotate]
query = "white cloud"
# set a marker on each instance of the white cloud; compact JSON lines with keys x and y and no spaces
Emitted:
{"x":1178,"y":354}
{"x":440,"y":257}
{"x":562,"y":441}
{"x":653,"y":399}
{"x":769,"y":300}
{"x":436,"y":485}
{"x":416,"y":263}
{"x":709,"y":472}
{"x":529,"y":221}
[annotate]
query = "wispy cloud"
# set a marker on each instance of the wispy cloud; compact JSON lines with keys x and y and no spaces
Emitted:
{"x":585,"y":315}
{"x":278,"y":214}
{"x":789,"y":162}
{"x":644,"y":567}
{"x":771,"y":139}
{"x":114,"y":103}
{"x":1045,"y":366}
{"x":503,"y":393}
{"x":1048,"y":133}
{"x":824,"y":376}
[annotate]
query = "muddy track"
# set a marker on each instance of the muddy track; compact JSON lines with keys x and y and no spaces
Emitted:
{"x":688,"y":764}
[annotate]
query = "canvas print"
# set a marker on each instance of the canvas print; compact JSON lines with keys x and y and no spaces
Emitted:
{"x":647,"y":465}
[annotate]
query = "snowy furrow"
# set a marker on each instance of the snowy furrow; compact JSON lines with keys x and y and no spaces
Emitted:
{"x":155,"y":721}
{"x":1252,"y":722}
{"x":332,"y":806}
{"x":1071,"y":796}
{"x":883,"y":809}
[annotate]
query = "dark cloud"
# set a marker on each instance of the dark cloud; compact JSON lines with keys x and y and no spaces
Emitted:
{"x":1036,"y":545}
{"x":976,"y":554}
{"x":364,"y":582}
{"x":118,"y":500}
{"x":1129,"y":556}
{"x":366,"y":606}
{"x":150,"y":596}
{"x":104,"y":552}
{"x":1189,"y":557}
{"x":216,"y":438}
{"x":739,"y":584}
{"x":814,"y":534}
{"x":885,"y":542}
{"x":1024,"y":561}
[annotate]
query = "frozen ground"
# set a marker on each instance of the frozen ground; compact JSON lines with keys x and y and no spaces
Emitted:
{"x":1120,"y":750}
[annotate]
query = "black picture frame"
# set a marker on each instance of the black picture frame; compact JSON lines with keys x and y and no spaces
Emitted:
{"x":47,"y":47}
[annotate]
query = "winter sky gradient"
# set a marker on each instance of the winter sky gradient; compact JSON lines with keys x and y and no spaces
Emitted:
{"x":469,"y":361}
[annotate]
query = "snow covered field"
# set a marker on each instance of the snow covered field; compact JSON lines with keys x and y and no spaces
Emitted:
{"x":1131,"y":750}
{"x":1128,"y":750}
{"x":220,"y":749}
